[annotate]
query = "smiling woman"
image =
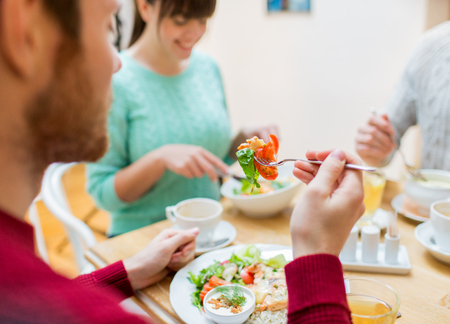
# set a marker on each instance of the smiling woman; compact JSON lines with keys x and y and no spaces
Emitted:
{"x":189,"y":9}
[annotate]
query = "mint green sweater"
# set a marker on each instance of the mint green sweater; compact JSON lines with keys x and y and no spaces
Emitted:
{"x":149,"y":111}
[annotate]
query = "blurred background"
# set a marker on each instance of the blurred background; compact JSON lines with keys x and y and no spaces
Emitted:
{"x":317,"y":73}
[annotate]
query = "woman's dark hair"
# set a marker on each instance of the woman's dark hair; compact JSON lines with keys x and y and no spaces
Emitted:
{"x":189,"y":9}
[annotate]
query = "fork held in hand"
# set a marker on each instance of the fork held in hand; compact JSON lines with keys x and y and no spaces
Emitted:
{"x":274,"y":164}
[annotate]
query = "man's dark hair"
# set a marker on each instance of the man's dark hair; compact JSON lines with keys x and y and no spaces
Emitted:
{"x":67,"y":13}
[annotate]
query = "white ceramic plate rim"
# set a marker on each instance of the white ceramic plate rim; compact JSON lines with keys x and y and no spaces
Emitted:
{"x":181,"y":288}
{"x":396,"y":203}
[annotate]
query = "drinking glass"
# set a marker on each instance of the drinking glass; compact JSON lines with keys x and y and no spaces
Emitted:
{"x":371,"y":302}
{"x":374,"y":183}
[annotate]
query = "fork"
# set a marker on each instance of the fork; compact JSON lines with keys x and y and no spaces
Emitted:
{"x":266,"y":162}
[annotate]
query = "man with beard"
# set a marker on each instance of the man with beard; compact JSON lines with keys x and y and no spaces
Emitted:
{"x":55,"y":70}
{"x":56,"y":66}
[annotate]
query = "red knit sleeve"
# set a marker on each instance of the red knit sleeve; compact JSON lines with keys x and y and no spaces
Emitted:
{"x":113,"y":276}
{"x":316,"y":291}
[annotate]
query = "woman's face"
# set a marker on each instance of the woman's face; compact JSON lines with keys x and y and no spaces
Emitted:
{"x":178,"y":35}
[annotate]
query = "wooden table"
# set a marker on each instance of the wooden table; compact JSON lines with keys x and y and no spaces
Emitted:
{"x":420,"y":291}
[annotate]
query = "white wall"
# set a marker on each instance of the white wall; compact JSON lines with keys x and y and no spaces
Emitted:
{"x":314,"y":74}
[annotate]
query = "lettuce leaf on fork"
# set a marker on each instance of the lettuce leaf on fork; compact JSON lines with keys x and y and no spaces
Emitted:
{"x":246,"y":157}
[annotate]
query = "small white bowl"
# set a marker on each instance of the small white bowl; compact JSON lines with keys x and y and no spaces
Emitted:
{"x":230,"y":318}
{"x":266,"y":204}
{"x":423,"y":194}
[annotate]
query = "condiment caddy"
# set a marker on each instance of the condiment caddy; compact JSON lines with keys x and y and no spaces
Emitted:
{"x":370,"y":255}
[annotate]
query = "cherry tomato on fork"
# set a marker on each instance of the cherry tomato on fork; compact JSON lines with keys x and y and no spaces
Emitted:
{"x":268,"y":152}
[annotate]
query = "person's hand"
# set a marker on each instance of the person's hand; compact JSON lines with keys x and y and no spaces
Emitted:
{"x":169,"y":250}
{"x":260,"y":130}
{"x":330,"y":206}
{"x":374,"y":141}
{"x":191,"y":161}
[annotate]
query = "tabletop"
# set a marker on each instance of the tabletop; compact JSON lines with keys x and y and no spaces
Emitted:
{"x":421,"y":292}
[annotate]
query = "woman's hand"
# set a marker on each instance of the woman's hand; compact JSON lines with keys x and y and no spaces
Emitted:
{"x":170,"y":250}
{"x":330,"y":206}
{"x":374,"y":140}
{"x":191,"y":161}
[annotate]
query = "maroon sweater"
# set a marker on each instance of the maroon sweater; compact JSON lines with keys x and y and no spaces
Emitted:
{"x":30,"y":292}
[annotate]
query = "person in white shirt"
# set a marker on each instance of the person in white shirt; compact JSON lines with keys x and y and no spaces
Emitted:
{"x":422,"y":98}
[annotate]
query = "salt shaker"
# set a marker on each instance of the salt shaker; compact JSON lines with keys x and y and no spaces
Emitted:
{"x":370,"y":236}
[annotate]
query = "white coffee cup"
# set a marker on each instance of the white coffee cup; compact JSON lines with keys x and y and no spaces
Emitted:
{"x":203,"y":213}
{"x":440,"y":220}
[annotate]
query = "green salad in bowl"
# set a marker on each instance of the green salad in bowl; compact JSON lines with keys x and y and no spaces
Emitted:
{"x":264,"y":187}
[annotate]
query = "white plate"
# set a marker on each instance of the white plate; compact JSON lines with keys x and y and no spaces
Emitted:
{"x":224,"y":230}
{"x":425,"y":235}
{"x":181,"y":288}
{"x":397,"y":204}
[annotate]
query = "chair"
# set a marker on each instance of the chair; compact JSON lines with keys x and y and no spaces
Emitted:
{"x":33,"y":216}
{"x":80,"y":235}
{"x":54,"y":197}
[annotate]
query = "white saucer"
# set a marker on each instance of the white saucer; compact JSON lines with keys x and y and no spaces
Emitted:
{"x":425,"y":235}
{"x":397,"y":204}
{"x":224,"y":230}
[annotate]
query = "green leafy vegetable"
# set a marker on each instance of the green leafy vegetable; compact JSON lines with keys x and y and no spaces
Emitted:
{"x":196,"y":300}
{"x":214,"y":270}
{"x":247,"y":187}
{"x":232,"y":295}
{"x":277,"y":262}
{"x":249,"y":253}
{"x":246,"y":158}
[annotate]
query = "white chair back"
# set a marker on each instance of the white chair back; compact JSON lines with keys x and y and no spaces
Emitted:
{"x":33,"y":215}
{"x":54,"y":197}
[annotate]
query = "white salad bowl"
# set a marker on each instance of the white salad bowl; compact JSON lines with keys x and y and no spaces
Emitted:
{"x":231,"y":318}
{"x":424,"y":193}
{"x":266,"y":204}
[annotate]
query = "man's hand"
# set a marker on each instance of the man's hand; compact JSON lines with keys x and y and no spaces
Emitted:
{"x":170,"y":250}
{"x":330,"y":206}
{"x":374,"y":141}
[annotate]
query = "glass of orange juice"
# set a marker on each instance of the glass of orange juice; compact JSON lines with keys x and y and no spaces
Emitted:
{"x":374,"y":183}
{"x":371,"y":302}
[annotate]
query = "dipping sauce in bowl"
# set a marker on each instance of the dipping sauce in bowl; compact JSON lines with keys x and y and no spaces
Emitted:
{"x":229,"y":304}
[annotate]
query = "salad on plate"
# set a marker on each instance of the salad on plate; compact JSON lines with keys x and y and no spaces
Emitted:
{"x":264,"y":277}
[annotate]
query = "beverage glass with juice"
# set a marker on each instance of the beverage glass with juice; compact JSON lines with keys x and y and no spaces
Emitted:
{"x":374,"y":183}
{"x":371,"y":302}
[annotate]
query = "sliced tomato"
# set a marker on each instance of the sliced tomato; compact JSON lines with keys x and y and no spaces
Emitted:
{"x":247,"y":277}
{"x":207,"y":287}
{"x":274,"y":141}
{"x":268,"y":173}
{"x":216,"y":281}
{"x":203,"y":294}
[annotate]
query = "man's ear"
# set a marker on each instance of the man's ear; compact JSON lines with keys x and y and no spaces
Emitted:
{"x":18,"y":35}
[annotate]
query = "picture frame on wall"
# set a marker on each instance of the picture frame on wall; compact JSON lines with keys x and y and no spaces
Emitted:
{"x":289,"y":5}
